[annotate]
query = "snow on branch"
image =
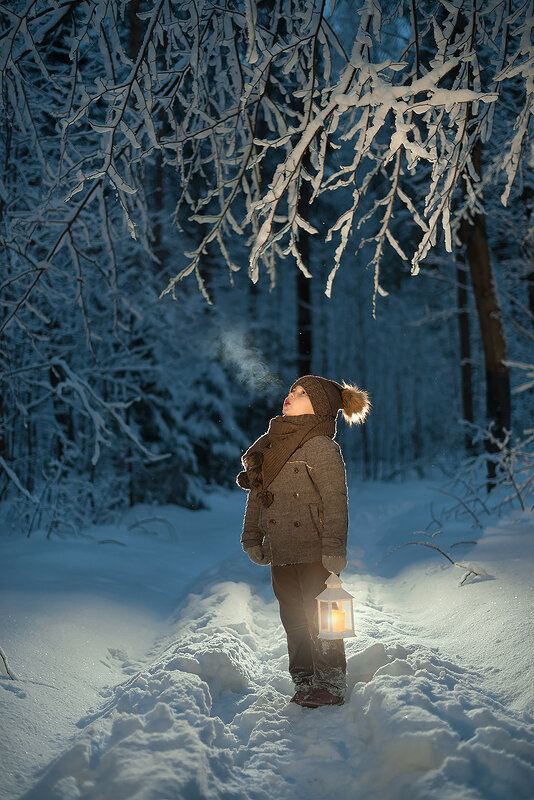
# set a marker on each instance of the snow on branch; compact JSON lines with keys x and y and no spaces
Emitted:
{"x":12,"y":475}
{"x":254,"y":107}
{"x":94,"y":407}
{"x":472,"y":571}
{"x":8,"y":671}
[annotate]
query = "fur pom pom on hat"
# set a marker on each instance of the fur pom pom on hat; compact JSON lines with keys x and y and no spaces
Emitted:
{"x":328,"y":397}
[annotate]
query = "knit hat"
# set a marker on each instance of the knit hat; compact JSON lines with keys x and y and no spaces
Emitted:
{"x":328,"y":397}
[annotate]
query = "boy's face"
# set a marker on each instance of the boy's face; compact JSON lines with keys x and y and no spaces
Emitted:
{"x":297,"y":402}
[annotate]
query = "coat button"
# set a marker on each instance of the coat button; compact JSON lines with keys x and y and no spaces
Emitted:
{"x":272,"y":522}
{"x":296,"y":494}
{"x":296,"y":469}
{"x":296,"y":524}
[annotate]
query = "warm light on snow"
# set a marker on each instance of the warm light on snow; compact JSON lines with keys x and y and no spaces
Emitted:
{"x":155,"y":666}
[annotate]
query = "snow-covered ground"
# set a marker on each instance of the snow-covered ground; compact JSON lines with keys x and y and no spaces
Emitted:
{"x":151,"y":664}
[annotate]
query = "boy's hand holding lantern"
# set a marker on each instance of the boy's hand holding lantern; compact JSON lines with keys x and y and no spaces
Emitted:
{"x":334,"y":563}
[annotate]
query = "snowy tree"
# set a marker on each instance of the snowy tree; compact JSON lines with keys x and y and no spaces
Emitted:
{"x":267,"y":132}
{"x":255,"y":97}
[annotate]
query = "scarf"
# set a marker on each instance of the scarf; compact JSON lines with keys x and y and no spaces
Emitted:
{"x":265,"y":458}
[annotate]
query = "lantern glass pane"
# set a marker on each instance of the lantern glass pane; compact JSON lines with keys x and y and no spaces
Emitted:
{"x":323,"y":616}
{"x":347,"y":604}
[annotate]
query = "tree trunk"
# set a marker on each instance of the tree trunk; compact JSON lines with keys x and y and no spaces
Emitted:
{"x":4,"y":480}
{"x":304,"y":323}
{"x":135,"y":37}
{"x":304,"y":300}
{"x":530,"y":295}
{"x":527,"y":197}
{"x":465,"y":351}
{"x":498,"y":405}
{"x":62,"y":413}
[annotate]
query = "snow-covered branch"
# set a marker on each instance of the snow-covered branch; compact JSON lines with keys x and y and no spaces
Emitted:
{"x":247,"y":103}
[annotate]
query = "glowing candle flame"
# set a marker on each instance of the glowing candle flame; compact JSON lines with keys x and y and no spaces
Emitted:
{"x":338,"y":620}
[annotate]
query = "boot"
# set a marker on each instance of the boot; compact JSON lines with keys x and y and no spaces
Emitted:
{"x":319,"y":697}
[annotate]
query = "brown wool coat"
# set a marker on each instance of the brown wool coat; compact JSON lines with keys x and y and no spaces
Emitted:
{"x":308,"y":517}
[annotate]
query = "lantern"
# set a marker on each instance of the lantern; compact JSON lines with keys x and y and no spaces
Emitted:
{"x":334,"y":610}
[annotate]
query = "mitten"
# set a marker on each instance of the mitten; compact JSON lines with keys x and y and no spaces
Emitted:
{"x":334,"y":563}
{"x":255,"y":554}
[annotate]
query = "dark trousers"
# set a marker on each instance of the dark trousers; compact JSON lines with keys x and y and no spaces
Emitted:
{"x":312,"y":661}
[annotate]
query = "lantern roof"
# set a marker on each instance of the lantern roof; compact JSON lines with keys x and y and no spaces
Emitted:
{"x":333,"y":580}
{"x":334,"y":590}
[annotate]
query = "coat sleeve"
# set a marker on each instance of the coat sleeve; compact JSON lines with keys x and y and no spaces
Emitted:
{"x":251,"y":534}
{"x":327,"y":471}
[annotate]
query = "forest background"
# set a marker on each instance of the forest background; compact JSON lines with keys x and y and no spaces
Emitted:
{"x":200,"y":201}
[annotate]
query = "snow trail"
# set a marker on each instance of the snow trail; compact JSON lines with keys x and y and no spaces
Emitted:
{"x":210,"y":718}
{"x":440,"y":690}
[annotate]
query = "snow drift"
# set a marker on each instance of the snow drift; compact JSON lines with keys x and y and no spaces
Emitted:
{"x":436,"y":707}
